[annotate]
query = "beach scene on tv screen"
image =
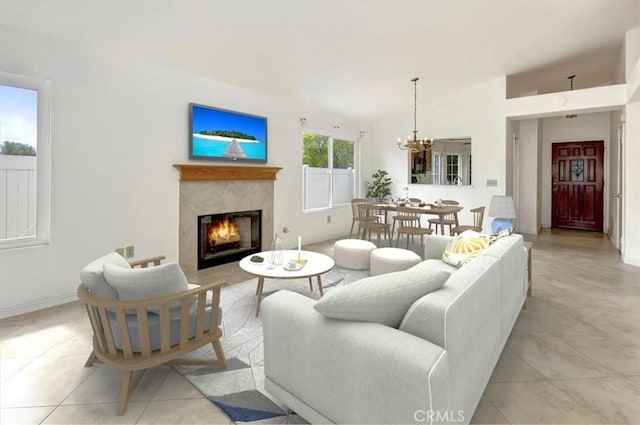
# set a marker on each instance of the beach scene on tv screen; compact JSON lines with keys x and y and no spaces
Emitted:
{"x":224,"y":134}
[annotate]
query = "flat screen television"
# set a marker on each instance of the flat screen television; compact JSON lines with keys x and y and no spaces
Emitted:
{"x":219,"y":134}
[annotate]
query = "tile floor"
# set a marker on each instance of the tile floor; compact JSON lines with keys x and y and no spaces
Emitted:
{"x":573,"y":356}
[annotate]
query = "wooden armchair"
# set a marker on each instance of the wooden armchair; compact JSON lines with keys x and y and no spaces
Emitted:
{"x":128,"y":337}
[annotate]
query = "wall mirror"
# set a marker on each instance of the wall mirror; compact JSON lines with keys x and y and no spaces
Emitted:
{"x":448,"y":163}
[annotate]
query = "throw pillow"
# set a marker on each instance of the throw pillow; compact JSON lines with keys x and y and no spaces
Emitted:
{"x":468,"y":245}
{"x":383,"y":299}
{"x":93,"y":277}
{"x":465,"y":247}
{"x":151,"y":282}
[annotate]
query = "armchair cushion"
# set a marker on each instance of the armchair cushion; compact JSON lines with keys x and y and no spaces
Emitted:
{"x":383,"y":299}
{"x":151,"y":282}
{"x":153,"y":323}
{"x":92,"y":275}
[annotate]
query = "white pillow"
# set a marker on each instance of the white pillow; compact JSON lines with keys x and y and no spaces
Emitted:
{"x":93,"y":277}
{"x":383,"y":299}
{"x":145,"y":283}
{"x":431,"y":264}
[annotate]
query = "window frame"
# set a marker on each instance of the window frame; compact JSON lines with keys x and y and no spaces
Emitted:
{"x":436,"y":167}
{"x":331,"y":136}
{"x":446,"y":168}
{"x":43,"y":161}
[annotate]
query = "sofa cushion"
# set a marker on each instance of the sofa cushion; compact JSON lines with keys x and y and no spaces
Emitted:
{"x":93,"y":277}
{"x":145,"y":283}
{"x":383,"y":299}
{"x":465,"y":247}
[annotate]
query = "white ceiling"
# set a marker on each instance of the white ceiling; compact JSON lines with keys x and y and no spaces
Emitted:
{"x":353,"y":57}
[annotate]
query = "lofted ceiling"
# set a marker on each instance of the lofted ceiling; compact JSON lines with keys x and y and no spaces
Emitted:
{"x":352,"y":57}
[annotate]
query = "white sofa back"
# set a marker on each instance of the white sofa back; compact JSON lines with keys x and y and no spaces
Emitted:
{"x":349,"y":372}
{"x":471,"y":316}
{"x":513,"y":285}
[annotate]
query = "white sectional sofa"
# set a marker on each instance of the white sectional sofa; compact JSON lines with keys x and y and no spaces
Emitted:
{"x":433,"y":368}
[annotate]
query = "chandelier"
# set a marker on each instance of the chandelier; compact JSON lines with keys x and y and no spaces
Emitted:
{"x":412,"y":143}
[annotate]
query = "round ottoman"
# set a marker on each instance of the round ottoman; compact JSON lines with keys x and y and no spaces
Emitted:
{"x":387,"y":260}
{"x":353,"y":253}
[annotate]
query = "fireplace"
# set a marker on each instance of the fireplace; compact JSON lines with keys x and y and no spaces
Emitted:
{"x":227,"y":237}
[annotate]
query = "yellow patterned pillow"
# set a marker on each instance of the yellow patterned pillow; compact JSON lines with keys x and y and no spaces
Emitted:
{"x":465,"y":247}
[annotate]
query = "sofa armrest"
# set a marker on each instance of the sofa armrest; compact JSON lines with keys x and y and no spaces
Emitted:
{"x":435,"y":246}
{"x":351,"y":372}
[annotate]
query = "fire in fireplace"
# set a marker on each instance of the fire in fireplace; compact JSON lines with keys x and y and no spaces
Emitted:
{"x":223,"y":238}
{"x":223,"y":234}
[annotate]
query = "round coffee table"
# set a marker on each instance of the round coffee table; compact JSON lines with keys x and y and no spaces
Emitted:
{"x":316,"y":265}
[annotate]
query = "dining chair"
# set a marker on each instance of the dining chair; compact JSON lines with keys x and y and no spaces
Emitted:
{"x":355,"y":218}
{"x":368,"y":221}
{"x":402,"y":218}
{"x":478,"y":216}
{"x":449,"y":219}
{"x":406,"y":228}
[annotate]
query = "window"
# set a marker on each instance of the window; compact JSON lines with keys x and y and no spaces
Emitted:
{"x":453,"y":169}
{"x":436,"y":167}
{"x":327,"y":170}
{"x":24,"y":161}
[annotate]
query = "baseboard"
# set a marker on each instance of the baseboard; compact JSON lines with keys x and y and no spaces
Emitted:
{"x":633,"y":261}
{"x":528,"y":231}
{"x":14,"y":310}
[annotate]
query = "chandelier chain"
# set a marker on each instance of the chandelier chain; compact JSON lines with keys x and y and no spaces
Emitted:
{"x":415,"y":108}
{"x":412,"y":143}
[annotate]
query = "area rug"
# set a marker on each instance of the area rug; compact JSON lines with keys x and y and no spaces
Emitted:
{"x":239,"y":389}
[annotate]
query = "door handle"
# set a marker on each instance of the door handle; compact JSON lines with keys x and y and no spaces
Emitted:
{"x":555,"y":186}
{"x":616,"y":195}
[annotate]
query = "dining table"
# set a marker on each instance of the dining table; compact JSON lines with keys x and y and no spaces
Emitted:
{"x":440,"y":210}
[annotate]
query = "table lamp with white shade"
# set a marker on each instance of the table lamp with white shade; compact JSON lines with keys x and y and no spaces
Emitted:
{"x":504,"y":211}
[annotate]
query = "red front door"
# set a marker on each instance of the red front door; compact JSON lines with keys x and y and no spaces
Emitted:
{"x":577,"y":185}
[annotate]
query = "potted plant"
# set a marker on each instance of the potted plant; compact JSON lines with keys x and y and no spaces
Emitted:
{"x":380,"y":187}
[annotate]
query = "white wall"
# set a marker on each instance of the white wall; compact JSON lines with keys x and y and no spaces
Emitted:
{"x":631,"y":194}
{"x":632,"y":51}
{"x":529,"y":206}
{"x":614,"y":180}
{"x":597,"y":99}
{"x":631,"y":171}
{"x":561,"y":129}
{"x":118,"y":125}
{"x":477,"y":113}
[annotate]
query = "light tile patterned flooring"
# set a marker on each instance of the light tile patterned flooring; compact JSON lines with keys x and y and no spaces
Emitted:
{"x":573,"y":356}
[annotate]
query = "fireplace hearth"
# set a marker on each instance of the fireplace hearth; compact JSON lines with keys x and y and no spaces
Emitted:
{"x":227,"y":237}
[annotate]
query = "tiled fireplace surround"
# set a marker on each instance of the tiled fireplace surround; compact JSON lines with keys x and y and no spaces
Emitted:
{"x":207,"y":189}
